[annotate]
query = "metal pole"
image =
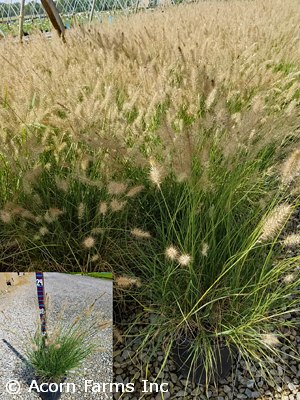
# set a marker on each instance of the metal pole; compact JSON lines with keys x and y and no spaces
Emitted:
{"x":136,"y":6}
{"x":21,"y":22}
{"x":53,"y":14}
{"x":92,"y":11}
{"x":41,"y":300}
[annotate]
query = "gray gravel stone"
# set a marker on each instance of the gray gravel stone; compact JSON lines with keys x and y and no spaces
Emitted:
{"x":241,"y":396}
{"x":181,"y":393}
{"x":226,"y":389}
{"x":291,"y":386}
{"x":248,"y":393}
{"x":250,"y":384}
{"x":197,"y":391}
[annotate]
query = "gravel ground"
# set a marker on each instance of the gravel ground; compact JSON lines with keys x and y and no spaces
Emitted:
{"x":18,"y":318}
{"x":239,"y":385}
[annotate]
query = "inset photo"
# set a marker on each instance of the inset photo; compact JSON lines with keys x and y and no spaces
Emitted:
{"x":55,"y":336}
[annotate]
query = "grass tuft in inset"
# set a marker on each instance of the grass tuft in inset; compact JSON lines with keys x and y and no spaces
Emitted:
{"x":66,"y":347}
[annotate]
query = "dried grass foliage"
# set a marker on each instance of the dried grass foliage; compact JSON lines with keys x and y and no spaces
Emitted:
{"x":153,"y":90}
{"x":109,"y":85}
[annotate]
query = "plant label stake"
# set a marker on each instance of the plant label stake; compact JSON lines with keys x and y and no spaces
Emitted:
{"x":41,"y":299}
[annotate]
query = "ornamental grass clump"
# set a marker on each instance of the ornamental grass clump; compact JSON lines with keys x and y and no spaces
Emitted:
{"x":79,"y":134}
{"x":155,"y":147}
{"x":213,"y":272}
{"x":53,"y":359}
{"x":66,"y":347}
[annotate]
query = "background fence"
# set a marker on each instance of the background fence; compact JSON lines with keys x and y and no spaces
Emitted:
{"x":70,"y":10}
